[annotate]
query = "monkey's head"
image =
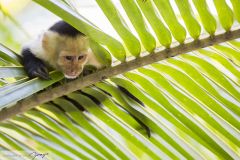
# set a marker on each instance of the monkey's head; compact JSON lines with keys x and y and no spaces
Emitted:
{"x":71,"y":64}
{"x":66,"y":54}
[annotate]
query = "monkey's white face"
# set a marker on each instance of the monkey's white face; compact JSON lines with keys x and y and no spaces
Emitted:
{"x":66,"y":54}
{"x":71,"y":64}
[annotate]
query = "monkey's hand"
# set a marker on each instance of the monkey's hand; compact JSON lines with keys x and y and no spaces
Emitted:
{"x":34,"y":66}
{"x":37,"y":68}
{"x":89,"y":69}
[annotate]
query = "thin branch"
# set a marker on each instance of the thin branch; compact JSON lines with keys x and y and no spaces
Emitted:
{"x":81,"y":83}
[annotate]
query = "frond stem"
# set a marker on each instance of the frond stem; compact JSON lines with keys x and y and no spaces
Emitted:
{"x":81,"y":83}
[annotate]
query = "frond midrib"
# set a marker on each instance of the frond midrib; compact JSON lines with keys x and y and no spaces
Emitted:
{"x":81,"y":83}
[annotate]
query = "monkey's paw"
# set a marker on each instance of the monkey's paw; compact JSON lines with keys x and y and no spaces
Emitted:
{"x":38,"y":69}
{"x":89,"y":69}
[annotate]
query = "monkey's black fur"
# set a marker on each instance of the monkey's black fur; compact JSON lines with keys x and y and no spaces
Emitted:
{"x":63,"y":28}
{"x":33,"y":65}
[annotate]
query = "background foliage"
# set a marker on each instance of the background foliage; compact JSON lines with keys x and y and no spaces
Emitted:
{"x":186,"y":107}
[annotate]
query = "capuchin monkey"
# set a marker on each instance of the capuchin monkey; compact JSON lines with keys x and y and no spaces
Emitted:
{"x":61,"y":47}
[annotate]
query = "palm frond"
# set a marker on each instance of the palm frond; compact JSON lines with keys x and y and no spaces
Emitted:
{"x":98,"y":76}
{"x":189,"y":112}
{"x":184,"y":107}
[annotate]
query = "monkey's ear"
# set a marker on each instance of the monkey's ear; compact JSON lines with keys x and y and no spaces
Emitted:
{"x":49,"y":40}
{"x":84,"y":59}
{"x":45,"y":40}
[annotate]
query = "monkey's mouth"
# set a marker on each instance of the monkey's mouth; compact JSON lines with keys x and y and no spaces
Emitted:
{"x":68,"y":76}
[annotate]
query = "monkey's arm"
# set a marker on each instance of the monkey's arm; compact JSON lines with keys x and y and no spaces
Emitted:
{"x":33,"y":65}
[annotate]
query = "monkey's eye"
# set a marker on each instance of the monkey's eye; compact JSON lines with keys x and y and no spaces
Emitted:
{"x":80,"y":57}
{"x":69,"y":58}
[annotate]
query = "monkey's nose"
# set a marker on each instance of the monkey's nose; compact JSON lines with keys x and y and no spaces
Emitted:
{"x":72,"y":70}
